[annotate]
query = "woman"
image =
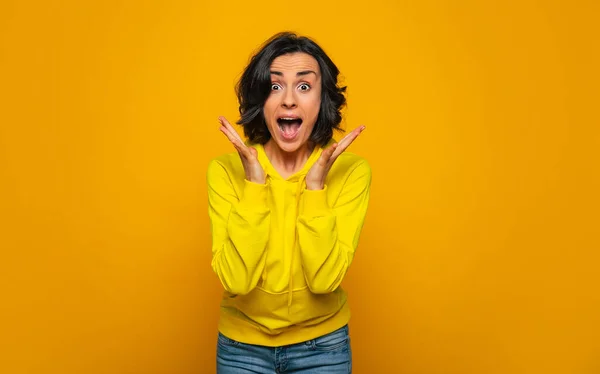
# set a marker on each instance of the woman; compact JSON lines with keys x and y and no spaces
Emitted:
{"x":286,"y":212}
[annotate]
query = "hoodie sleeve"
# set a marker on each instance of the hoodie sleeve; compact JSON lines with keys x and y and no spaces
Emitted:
{"x":328,"y":235}
{"x":239,"y":228}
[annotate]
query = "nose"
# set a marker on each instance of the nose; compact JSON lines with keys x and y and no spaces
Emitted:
{"x":289,"y":99}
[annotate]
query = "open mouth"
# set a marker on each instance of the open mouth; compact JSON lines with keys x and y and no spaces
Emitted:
{"x":289,"y":126}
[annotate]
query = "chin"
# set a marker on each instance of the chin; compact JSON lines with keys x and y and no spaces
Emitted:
{"x":289,"y":147}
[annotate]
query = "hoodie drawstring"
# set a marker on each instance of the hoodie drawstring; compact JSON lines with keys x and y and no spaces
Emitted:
{"x":299,"y":191}
{"x":298,"y":195}
{"x":264,"y":273}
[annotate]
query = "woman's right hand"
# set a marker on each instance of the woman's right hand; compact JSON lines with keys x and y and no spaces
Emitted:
{"x":248,"y":155}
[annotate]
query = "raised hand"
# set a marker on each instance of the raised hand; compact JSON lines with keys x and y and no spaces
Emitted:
{"x":248,"y":155}
{"x":315,"y":179}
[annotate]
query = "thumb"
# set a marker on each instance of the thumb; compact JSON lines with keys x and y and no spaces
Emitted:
{"x":253,"y":152}
{"x":327,"y":153}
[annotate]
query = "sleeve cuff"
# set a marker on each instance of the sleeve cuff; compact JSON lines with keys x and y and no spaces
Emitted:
{"x":254,"y":194}
{"x":315,"y":203}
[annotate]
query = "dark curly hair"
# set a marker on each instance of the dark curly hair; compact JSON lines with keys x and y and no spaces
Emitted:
{"x":254,"y":87}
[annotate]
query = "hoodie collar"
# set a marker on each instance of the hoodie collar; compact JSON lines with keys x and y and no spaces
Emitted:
{"x":296,"y":177}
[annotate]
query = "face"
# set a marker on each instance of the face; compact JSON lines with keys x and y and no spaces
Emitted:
{"x":292,"y":108}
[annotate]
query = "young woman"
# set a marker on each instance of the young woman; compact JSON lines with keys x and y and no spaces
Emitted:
{"x":286,"y":212}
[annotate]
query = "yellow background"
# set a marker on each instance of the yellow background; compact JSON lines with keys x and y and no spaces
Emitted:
{"x":480,"y":250}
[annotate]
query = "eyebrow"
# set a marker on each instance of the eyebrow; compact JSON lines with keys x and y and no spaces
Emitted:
{"x":298,"y":74}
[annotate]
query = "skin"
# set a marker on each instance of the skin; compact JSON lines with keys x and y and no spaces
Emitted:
{"x":296,"y":92}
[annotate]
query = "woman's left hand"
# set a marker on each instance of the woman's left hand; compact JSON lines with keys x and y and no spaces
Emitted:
{"x":315,"y":178}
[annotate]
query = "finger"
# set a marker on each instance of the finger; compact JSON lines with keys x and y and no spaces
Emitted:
{"x":351,"y":133}
{"x":234,"y":137}
{"x":239,"y":146}
{"x":227,"y":125}
{"x":347,"y":140}
{"x":327,"y":153}
{"x":253,"y":152}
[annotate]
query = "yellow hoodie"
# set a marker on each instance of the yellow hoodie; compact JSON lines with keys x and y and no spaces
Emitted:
{"x":281,"y":251}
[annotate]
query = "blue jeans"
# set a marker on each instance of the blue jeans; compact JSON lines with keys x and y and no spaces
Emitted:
{"x":329,"y":353}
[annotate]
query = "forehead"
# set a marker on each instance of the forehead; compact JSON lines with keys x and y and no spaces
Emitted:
{"x":295,"y":62}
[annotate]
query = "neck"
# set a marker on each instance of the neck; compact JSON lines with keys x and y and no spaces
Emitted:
{"x":287,"y":163}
